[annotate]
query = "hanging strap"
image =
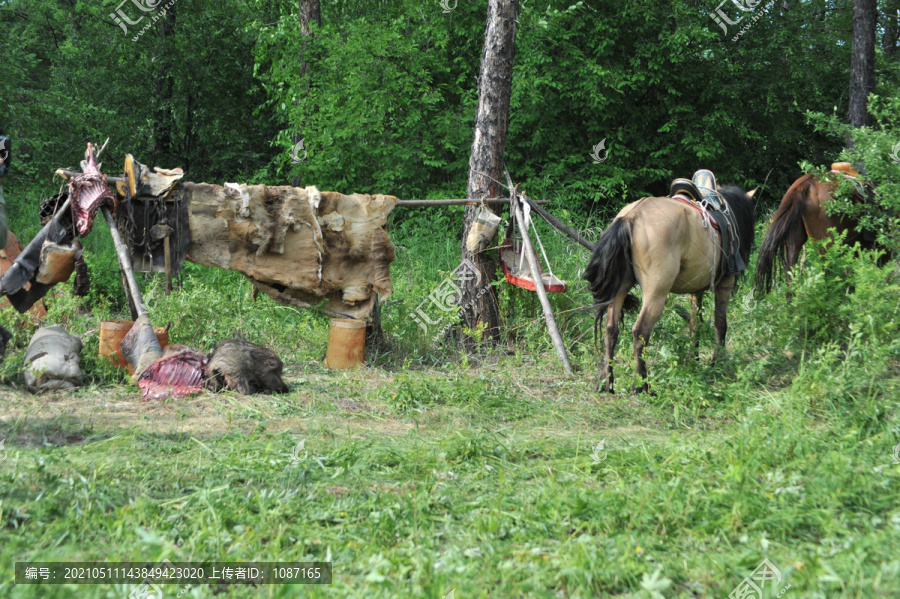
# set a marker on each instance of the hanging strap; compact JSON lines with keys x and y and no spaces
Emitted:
{"x":526,"y":213}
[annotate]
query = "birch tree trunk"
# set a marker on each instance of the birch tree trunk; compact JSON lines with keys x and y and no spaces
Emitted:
{"x":479,"y":299}
{"x":310,"y":11}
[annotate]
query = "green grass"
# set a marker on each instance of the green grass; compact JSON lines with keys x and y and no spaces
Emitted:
{"x":432,"y":470}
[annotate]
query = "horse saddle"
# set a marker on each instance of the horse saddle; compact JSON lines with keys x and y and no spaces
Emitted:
{"x":864,"y":190}
{"x":701,"y":187}
{"x":703,"y":191}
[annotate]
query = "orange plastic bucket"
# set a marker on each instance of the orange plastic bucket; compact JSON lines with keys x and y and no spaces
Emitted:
{"x":346,"y":344}
{"x":111,"y":334}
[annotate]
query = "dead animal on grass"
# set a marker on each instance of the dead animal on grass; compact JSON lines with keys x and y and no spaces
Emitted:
{"x":179,"y":373}
{"x":245,"y":367}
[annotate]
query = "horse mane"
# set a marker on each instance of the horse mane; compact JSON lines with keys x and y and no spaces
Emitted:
{"x":742,"y":208}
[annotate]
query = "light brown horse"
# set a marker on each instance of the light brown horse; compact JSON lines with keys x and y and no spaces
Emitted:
{"x":800,"y":216}
{"x":665,"y":246}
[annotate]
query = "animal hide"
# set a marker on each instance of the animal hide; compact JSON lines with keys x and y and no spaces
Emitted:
{"x":300,"y":246}
{"x":245,"y":367}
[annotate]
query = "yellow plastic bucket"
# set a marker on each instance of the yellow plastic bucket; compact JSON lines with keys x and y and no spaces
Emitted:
{"x":346,"y":344}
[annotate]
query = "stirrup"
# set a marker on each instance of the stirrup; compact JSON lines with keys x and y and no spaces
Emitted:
{"x":705,"y":181}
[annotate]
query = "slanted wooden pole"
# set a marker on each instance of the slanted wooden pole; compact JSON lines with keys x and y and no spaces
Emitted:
{"x":558,"y":224}
{"x":125,"y":263}
{"x":539,"y":284}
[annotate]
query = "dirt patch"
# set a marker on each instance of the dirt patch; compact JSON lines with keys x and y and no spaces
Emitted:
{"x":348,"y":405}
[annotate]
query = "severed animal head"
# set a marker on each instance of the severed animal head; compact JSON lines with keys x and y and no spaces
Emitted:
{"x":88,"y":192}
{"x":245,"y":367}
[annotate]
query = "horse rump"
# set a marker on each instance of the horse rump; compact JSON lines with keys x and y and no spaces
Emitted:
{"x":786,"y":223}
{"x":610,"y":266}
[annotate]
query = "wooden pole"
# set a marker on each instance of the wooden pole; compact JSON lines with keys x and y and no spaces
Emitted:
{"x":464,"y":202}
{"x":558,"y":224}
{"x":66,"y":174}
{"x":539,"y":284}
{"x":125,"y":263}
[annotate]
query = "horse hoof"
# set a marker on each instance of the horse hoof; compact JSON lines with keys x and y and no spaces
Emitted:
{"x":643,"y":389}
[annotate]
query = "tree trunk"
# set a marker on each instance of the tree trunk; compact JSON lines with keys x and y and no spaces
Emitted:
{"x":891,"y":29}
{"x":862,"y":62}
{"x":479,"y":298}
{"x":163,"y":138}
{"x":310,"y":11}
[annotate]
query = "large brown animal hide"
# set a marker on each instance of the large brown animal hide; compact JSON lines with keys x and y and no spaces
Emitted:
{"x":299,"y":246}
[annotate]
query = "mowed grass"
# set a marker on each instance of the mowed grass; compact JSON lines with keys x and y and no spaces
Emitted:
{"x":489,"y":474}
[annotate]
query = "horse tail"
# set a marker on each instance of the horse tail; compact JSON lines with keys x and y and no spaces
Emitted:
{"x":785,"y":223}
{"x":610,"y":265}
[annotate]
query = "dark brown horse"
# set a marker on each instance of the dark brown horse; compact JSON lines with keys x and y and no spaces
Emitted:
{"x":800,"y":216}
{"x":665,"y":246}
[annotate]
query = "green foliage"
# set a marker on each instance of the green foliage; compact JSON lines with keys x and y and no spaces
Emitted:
{"x":386,"y":106}
{"x":387,"y":98}
{"x":175,"y":97}
{"x":875,"y":150}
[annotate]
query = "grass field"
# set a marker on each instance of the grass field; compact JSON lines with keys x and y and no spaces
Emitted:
{"x":433,"y":473}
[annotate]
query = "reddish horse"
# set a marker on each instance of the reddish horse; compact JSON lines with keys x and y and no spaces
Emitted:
{"x":800,"y":216}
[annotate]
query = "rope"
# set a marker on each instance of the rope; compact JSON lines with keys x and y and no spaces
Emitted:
{"x":536,"y":236}
{"x":529,"y":223}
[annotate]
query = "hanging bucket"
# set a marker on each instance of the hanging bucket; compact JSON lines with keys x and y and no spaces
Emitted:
{"x":111,"y":334}
{"x":484,"y":227}
{"x":346,"y":344}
